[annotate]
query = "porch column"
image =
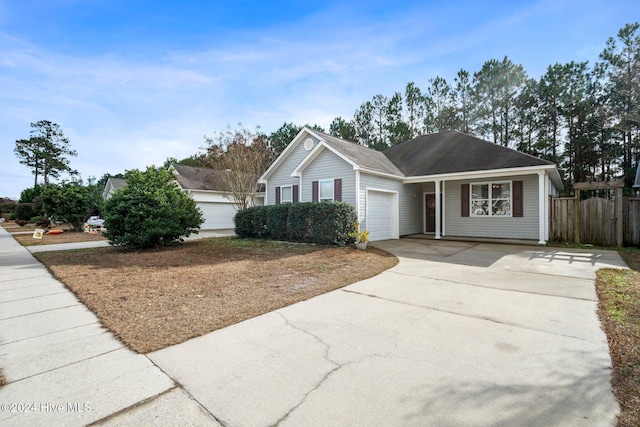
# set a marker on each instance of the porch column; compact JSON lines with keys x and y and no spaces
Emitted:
{"x":438,"y":207}
{"x":542,"y":214}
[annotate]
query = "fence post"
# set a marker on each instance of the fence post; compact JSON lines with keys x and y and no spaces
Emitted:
{"x":576,"y":211}
{"x":619,"y":221}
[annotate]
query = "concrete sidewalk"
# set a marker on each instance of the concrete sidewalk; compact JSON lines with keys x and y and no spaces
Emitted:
{"x":205,"y":234}
{"x":63,"y":368}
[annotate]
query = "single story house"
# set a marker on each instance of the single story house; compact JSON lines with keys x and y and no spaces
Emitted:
{"x":444,"y":184}
{"x":208,"y":191}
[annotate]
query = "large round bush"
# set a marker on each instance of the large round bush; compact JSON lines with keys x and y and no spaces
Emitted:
{"x":150,"y":211}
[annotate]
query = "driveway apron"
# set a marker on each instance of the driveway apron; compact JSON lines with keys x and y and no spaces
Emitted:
{"x":456,"y":334}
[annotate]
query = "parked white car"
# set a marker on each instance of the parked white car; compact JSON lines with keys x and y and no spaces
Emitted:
{"x":95,"y":221}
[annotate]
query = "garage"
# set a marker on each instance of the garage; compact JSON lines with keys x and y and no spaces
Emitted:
{"x":217,"y":215}
{"x":382,"y":215}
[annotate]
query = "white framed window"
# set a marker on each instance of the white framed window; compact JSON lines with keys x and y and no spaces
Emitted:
{"x":491,"y":199}
{"x":325,"y":190}
{"x":286,"y":194}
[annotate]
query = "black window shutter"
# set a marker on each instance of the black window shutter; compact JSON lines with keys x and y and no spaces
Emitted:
{"x":464,"y":200}
{"x":518,"y":199}
{"x":337,"y":190}
{"x":277,"y":195}
{"x":314,"y":191}
{"x":294,"y":194}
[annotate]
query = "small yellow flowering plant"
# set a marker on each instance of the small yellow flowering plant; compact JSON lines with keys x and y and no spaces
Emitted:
{"x":360,"y":236}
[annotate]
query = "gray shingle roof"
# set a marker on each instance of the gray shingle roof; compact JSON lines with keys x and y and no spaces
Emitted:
{"x":452,"y":152}
{"x":117,"y":183}
{"x":364,"y":157}
{"x":192,"y":178}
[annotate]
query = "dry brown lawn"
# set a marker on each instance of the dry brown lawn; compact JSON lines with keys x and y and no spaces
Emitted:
{"x":52,"y":239}
{"x":67,"y":236}
{"x":157,"y":298}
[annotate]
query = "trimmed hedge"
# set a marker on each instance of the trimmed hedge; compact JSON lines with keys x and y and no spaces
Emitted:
{"x":321,"y":223}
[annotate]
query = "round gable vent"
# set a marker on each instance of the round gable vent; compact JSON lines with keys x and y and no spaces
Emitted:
{"x":308,"y":144}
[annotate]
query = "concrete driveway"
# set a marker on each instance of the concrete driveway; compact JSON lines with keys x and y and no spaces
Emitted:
{"x":456,"y":334}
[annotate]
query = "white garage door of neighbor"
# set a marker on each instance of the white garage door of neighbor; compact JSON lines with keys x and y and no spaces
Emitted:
{"x":381,"y":215}
{"x":217,"y":215}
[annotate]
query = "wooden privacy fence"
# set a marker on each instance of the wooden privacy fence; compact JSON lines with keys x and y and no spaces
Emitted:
{"x":596,"y":218}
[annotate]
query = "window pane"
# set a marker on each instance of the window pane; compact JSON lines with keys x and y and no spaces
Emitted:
{"x":479,"y":208}
{"x":480,"y":191}
{"x":286,"y":195}
{"x":501,"y":191}
{"x":501,"y":207}
{"x":326,"y":190}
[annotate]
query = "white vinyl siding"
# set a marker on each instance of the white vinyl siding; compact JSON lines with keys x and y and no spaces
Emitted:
{"x":328,"y":166}
{"x":281,"y":176}
{"x":409,"y":202}
{"x":493,"y":226}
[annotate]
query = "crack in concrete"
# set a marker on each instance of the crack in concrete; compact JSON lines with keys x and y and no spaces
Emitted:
{"x":317,"y":338}
{"x":327,"y":348}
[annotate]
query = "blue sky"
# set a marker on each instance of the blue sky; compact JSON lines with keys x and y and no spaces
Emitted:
{"x":134,"y":82}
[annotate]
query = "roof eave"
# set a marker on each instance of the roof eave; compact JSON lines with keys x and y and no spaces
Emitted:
{"x":322,"y":145}
{"x":553,"y":173}
{"x":285,"y":153}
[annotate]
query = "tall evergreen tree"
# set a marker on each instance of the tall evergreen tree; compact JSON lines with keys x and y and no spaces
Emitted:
{"x":496,"y":87}
{"x":621,"y":63}
{"x":463,"y":90}
{"x":46,"y":152}
{"x":443,"y":109}
{"x":344,"y":129}
{"x":415,"y":109}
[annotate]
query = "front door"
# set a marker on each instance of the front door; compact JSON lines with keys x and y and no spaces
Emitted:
{"x":430,"y":212}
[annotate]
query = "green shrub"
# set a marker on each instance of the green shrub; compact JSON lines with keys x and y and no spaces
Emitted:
{"x":150,"y":211}
{"x":251,"y":222}
{"x":277,"y":216}
{"x":44,"y":222}
{"x":68,"y":202}
{"x":35,"y":219}
{"x":321,"y":223}
{"x":8,"y":206}
{"x":24,"y":211}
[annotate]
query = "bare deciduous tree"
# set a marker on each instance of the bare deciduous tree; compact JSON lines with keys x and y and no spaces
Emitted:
{"x":240,"y":156}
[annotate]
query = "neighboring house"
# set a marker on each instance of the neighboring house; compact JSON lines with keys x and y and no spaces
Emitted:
{"x":113,"y":184}
{"x":445,"y":184}
{"x":210,"y":194}
{"x":208,"y":191}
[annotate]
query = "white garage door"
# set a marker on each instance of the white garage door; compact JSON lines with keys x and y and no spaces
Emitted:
{"x":217,"y":215}
{"x":381,"y":208}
